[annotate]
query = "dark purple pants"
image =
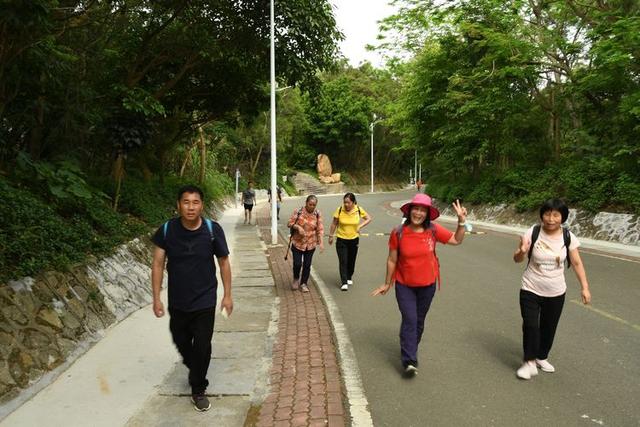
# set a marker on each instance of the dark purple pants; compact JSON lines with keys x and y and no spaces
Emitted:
{"x":414,"y":303}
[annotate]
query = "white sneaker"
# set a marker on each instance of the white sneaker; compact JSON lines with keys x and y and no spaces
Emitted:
{"x":349,"y":282}
{"x":344,"y":287}
{"x":545,"y":366}
{"x":411,"y":370}
{"x":527,"y":370}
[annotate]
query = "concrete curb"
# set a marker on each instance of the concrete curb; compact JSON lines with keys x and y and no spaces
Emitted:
{"x":358,"y":403}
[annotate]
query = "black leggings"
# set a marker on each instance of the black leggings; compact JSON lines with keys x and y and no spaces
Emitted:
{"x":302,"y":259}
{"x":192,"y":333}
{"x":540,"y":317}
{"x":347,"y":250}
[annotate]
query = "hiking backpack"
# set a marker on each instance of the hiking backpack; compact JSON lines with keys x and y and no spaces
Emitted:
{"x":340,"y":211}
{"x":207,"y":221}
{"x":566,"y":237}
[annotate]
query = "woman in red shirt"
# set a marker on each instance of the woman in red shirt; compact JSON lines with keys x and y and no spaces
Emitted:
{"x":413,"y":267}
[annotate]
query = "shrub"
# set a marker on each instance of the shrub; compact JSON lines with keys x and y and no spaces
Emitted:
{"x":34,"y":236}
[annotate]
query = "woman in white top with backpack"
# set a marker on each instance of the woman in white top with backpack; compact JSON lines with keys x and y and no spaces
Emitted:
{"x":543,"y":285}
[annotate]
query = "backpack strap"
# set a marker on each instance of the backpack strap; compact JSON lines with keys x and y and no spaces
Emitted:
{"x":340,"y":211}
{"x":165,"y":227}
{"x":432,"y":227}
{"x":210,"y":227}
{"x":209,"y":222}
{"x":399,"y":229}
{"x":566,"y":237}
{"x":291,"y":231}
{"x":534,"y":237}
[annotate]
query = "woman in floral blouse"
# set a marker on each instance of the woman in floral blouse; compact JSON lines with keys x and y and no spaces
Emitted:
{"x":307,"y":230}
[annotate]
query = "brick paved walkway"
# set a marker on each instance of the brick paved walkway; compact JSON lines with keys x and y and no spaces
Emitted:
{"x":305,"y":385}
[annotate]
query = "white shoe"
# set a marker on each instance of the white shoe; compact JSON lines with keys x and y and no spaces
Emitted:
{"x":344,"y":287}
{"x":349,"y":282}
{"x":545,"y":366}
{"x":411,"y":370}
{"x":527,"y":370}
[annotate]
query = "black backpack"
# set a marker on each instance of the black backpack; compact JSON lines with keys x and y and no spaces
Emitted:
{"x":566,"y":236}
{"x":207,"y":221}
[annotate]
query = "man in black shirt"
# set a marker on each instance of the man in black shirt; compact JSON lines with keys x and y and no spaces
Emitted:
{"x":190,"y":242}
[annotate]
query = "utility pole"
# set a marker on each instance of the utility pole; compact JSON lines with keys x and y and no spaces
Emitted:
{"x":274,"y":211}
{"x":371,"y":127}
{"x":415,"y":164}
{"x":237,"y":179}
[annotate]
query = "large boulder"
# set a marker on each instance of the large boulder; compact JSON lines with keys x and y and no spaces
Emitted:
{"x":335,"y":177}
{"x":324,"y":166}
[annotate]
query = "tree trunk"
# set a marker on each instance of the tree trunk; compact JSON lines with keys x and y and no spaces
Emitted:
{"x":254,"y":165}
{"x":187,"y":159}
{"x":118,"y":174}
{"x":35,"y":139}
{"x":554,"y":125}
{"x":203,"y":156}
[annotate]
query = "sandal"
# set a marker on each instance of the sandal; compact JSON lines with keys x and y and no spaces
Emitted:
{"x":304,"y":288}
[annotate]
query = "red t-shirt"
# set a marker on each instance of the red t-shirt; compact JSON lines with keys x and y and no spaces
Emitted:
{"x":417,"y":264}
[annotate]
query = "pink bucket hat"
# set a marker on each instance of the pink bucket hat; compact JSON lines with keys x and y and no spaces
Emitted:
{"x":421,"y":200}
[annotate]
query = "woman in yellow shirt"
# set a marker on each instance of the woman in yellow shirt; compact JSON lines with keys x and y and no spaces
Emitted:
{"x":348,"y":220}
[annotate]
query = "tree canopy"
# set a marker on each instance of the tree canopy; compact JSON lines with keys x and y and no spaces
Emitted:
{"x":519,"y":100}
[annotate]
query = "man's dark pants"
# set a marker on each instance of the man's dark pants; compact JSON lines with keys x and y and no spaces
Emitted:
{"x":192,"y":333}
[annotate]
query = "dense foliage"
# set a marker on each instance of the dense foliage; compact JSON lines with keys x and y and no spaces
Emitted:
{"x":105,"y":107}
{"x":514,"y":101}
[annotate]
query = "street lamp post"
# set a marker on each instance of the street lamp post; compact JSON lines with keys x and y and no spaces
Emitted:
{"x":274,"y":206}
{"x":371,"y":128}
{"x":237,"y":179}
{"x":415,"y":165}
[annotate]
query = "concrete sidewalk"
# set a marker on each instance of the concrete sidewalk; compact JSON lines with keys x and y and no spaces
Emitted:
{"x":274,"y":361}
{"x":241,"y":344}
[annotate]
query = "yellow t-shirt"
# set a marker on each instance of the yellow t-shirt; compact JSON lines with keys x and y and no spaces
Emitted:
{"x":348,"y":222}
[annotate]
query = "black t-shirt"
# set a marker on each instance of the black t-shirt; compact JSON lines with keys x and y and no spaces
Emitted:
{"x":191,"y":267}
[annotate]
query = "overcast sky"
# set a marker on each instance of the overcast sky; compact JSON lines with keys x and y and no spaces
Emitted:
{"x":357,"y":19}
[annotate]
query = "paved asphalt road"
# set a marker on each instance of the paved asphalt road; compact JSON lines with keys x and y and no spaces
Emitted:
{"x":472,"y":343}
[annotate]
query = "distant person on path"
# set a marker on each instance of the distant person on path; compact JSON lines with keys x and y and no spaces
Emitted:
{"x":190,"y":242}
{"x":419,"y":184}
{"x":548,"y":245}
{"x":348,"y":220}
{"x":278,"y":201}
{"x":413,"y":267}
{"x":307,"y":230}
{"x":249,"y":201}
